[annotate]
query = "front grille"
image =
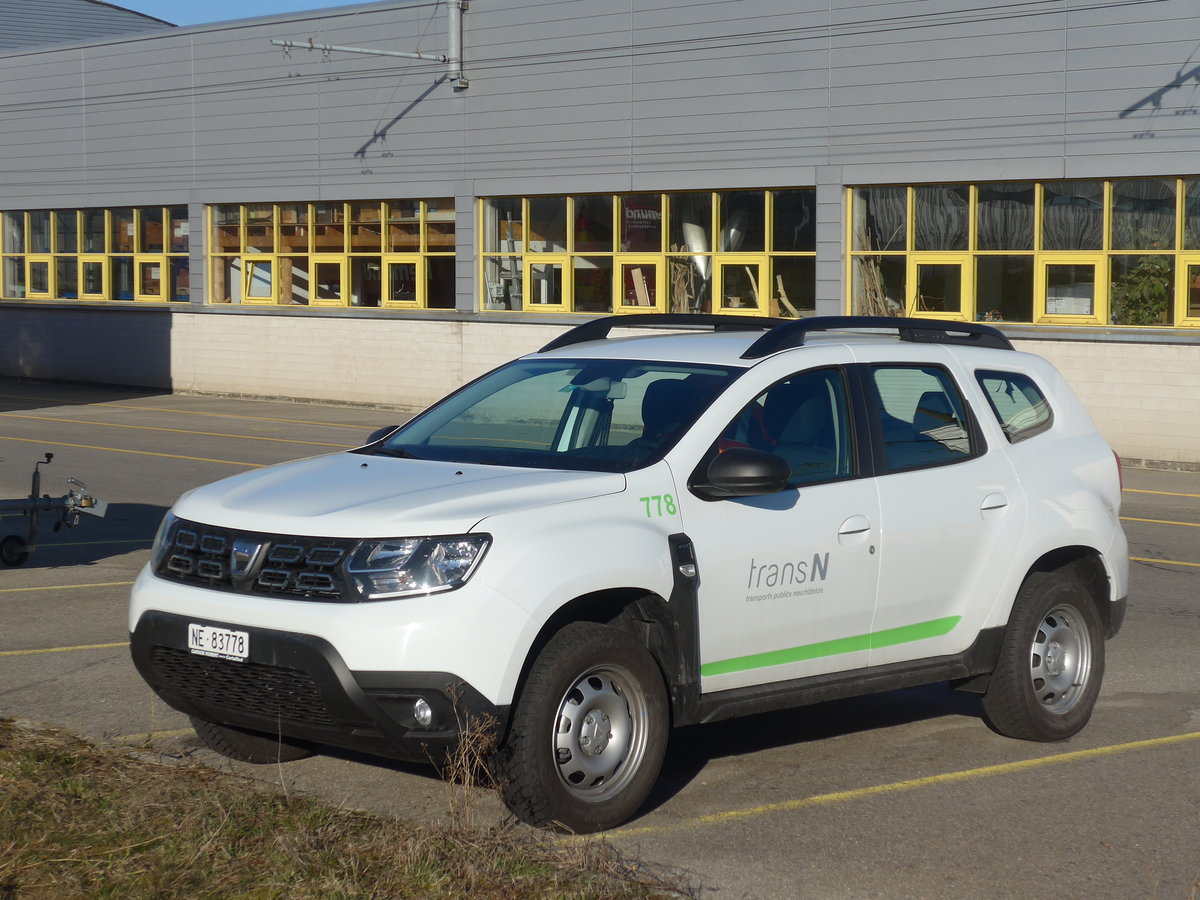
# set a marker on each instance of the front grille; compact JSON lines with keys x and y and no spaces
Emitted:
{"x":272,"y":692}
{"x":248,"y":562}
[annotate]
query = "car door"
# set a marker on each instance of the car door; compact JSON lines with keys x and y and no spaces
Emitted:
{"x":787,"y":581}
{"x":951,"y":513}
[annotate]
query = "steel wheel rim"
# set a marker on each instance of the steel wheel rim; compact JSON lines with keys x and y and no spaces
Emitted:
{"x":1060,"y":660}
{"x":600,"y":733}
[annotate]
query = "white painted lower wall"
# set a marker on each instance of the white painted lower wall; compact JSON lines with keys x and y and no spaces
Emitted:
{"x":1145,"y":397}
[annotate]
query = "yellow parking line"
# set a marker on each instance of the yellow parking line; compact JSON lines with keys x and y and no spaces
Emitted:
{"x":145,"y":540}
{"x":63,"y":649}
{"x":200,"y":412}
{"x":181,"y":412}
{"x":240,"y":437}
{"x":1160,"y":522}
{"x":65,"y":587}
{"x":1161,"y":493}
{"x":1165,"y":562}
{"x":224,"y":462}
{"x":909,"y":785}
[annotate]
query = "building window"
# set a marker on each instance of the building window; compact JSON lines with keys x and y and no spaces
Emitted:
{"x":129,"y":253}
{"x":747,"y":251}
{"x":395,"y":254}
{"x":1083,"y":252}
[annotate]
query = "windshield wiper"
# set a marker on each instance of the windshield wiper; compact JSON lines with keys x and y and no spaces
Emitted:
{"x":397,"y":452}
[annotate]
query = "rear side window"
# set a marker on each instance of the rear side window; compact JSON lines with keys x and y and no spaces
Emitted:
{"x":1018,"y":403}
{"x":922,"y":417}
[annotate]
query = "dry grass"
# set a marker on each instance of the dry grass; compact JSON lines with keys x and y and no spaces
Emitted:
{"x":79,"y":821}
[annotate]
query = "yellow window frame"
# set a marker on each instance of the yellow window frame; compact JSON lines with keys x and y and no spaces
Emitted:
{"x":90,"y":259}
{"x":532,"y":260}
{"x":1052,"y":311}
{"x":760,"y":302}
{"x":150,"y":259}
{"x":1184,"y":262}
{"x":254,"y":292}
{"x":918,"y":306}
{"x":390,"y":290}
{"x":649,"y":297}
{"x":318,"y":261}
{"x":39,"y":259}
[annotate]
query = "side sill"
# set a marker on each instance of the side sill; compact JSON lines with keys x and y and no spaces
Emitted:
{"x":977,"y":660}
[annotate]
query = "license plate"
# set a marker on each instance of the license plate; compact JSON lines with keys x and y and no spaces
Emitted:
{"x":222,"y":643}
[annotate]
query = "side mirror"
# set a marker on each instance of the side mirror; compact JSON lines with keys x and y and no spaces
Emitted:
{"x":743,"y":472}
{"x":380,"y":433}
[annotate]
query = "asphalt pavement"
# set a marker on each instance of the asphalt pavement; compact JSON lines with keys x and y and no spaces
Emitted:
{"x":900,"y":795}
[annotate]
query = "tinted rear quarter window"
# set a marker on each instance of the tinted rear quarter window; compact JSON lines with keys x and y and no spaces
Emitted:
{"x":1017,"y":402}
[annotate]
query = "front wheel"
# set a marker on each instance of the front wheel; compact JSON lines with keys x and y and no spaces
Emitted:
{"x":1051,"y":664}
{"x":588,"y":733}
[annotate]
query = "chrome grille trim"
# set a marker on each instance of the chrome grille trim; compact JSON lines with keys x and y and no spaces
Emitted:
{"x":302,"y":568}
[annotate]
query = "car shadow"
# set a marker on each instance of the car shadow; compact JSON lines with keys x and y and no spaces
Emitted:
{"x":693,"y":747}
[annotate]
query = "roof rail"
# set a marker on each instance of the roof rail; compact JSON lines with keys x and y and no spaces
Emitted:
{"x":598,"y":329}
{"x":919,"y":331}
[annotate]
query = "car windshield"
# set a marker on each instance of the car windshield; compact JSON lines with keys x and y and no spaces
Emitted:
{"x":594,"y":415}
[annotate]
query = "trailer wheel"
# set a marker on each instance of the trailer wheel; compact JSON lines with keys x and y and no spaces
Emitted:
{"x":14,"y":551}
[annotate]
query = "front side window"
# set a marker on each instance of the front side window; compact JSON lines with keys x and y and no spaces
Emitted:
{"x":591,"y":415}
{"x":922,"y":417}
{"x":806,"y":420}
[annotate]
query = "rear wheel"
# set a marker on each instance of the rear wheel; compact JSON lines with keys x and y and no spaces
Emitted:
{"x":1051,"y":664}
{"x":588,"y":733}
{"x":248,"y":746}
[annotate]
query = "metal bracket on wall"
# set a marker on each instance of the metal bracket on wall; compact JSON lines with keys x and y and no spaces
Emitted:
{"x":452,"y":57}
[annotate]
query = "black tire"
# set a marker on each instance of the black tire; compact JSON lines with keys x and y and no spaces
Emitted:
{"x":248,"y":746}
{"x":588,"y":733}
{"x":14,"y":551}
{"x":1051,"y":664}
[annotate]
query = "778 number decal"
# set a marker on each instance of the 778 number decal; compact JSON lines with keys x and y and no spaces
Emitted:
{"x":659,"y":505}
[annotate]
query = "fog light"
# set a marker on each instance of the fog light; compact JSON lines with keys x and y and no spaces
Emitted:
{"x":422,"y":713}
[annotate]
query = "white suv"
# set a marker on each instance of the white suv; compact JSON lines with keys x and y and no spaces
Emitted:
{"x":613,"y":536}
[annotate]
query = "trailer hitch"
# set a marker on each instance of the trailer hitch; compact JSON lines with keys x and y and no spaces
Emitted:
{"x":15,"y":548}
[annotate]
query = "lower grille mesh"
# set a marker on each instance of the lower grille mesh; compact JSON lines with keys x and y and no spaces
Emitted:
{"x":269,"y":691}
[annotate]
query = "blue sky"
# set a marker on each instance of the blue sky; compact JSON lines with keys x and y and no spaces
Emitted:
{"x":181,"y":12}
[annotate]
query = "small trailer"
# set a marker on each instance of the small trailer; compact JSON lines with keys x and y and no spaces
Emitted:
{"x":15,"y":548}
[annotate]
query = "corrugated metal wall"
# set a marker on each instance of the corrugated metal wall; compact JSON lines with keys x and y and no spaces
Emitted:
{"x":42,"y":23}
{"x":577,"y":95}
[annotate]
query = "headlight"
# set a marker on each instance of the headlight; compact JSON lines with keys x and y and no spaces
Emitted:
{"x":162,"y":541}
{"x":380,"y":570}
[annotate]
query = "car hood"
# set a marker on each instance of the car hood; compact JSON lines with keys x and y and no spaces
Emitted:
{"x":358,"y":496}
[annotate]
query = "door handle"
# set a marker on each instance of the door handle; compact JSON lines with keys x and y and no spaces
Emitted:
{"x":855,"y":525}
{"x":994,"y":500}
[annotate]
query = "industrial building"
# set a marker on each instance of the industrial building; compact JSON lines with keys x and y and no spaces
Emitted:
{"x":260,"y":207}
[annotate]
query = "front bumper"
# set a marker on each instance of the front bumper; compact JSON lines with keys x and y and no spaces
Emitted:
{"x":298,"y":686}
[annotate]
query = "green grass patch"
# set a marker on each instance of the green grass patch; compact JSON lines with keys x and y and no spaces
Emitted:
{"x":79,"y":821}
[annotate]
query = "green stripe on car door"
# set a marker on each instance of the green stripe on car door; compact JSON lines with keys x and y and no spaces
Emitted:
{"x":870,"y":641}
